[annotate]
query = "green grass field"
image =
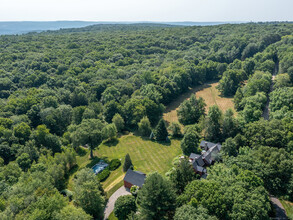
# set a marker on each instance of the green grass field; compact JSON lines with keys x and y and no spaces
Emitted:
{"x":208,"y":92}
{"x":146,"y":155}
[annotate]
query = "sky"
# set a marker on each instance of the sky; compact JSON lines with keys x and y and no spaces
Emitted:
{"x":146,"y":10}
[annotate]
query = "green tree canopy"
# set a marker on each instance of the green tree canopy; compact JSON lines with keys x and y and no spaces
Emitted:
{"x":157,"y":198}
{"x":160,"y":131}
{"x":124,"y":205}
{"x":191,"y":110}
{"x":88,"y":132}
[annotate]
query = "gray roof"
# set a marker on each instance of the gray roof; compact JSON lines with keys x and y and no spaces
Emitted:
{"x":135,"y":177}
{"x":209,"y":156}
{"x":194,"y":156}
{"x":198,"y":162}
{"x":200,"y":169}
{"x":204,"y":176}
{"x":209,"y":144}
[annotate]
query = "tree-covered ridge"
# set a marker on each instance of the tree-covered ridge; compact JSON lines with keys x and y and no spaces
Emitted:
{"x":70,"y":88}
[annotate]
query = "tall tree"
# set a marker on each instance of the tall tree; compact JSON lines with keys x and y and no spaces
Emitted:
{"x":22,"y":131}
{"x":230,"y":124}
{"x":124,"y":205}
{"x":230,"y":81}
{"x":182,"y":175}
{"x":127,"y":163}
{"x":87,"y":194}
{"x":109,"y":131}
{"x":213,"y":124}
{"x":191,"y":110}
{"x":157,"y":198}
{"x":175,"y":129}
{"x":89,"y":197}
{"x":118,"y":121}
{"x":144,"y":127}
{"x":190,"y":142}
{"x":88,"y":132}
{"x":161,"y":132}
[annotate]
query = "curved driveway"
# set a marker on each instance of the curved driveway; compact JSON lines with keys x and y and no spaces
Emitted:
{"x":122,"y":191}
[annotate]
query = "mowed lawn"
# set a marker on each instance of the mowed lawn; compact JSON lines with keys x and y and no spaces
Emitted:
{"x":146,"y":155}
{"x":208,"y":92}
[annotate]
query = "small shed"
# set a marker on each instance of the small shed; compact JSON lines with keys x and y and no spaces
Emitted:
{"x":132,"y":177}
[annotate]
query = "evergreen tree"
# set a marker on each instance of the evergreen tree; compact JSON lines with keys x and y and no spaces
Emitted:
{"x":237,"y":99}
{"x":161,"y":132}
{"x":156,"y":198}
{"x":127,"y":163}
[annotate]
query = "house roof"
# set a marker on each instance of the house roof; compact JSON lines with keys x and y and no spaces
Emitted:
{"x":209,"y":144}
{"x":209,"y":156}
{"x":200,"y":169}
{"x":194,"y":156}
{"x":204,"y":176}
{"x":135,"y":177}
{"x":198,"y":162}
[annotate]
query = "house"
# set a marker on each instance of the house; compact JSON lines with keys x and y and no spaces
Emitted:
{"x":133,"y":177}
{"x":197,"y":163}
{"x":206,"y":158}
{"x":210,"y":156}
{"x":205,"y":145}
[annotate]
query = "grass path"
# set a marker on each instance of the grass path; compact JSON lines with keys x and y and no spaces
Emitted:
{"x":208,"y":92}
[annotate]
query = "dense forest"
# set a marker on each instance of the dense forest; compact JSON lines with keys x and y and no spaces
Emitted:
{"x":60,"y":90}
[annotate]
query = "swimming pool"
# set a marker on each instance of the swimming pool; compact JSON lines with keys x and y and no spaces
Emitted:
{"x":99,"y":167}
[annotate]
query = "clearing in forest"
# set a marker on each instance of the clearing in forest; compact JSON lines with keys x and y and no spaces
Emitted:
{"x":146,"y":155}
{"x":208,"y":92}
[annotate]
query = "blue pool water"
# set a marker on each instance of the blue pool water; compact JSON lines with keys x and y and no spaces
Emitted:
{"x":99,"y":167}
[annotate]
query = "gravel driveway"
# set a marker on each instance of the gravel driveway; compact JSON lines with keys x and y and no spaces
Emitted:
{"x":122,"y":191}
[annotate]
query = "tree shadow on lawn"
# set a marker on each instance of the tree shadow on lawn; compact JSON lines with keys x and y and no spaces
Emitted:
{"x":111,"y":143}
{"x":81,"y":151}
{"x":165,"y":143}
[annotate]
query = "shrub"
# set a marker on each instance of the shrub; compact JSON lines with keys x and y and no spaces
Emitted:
{"x":104,"y":175}
{"x":114,"y":164}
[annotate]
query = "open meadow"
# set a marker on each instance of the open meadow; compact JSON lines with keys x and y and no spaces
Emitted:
{"x":208,"y":92}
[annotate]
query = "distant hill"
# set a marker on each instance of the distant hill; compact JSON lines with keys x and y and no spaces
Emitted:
{"x":23,"y":27}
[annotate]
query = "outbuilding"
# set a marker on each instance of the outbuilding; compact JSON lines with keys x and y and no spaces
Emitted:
{"x":133,"y":177}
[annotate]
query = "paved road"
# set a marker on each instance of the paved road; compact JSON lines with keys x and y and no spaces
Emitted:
{"x":110,"y":205}
{"x":280,"y":211}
